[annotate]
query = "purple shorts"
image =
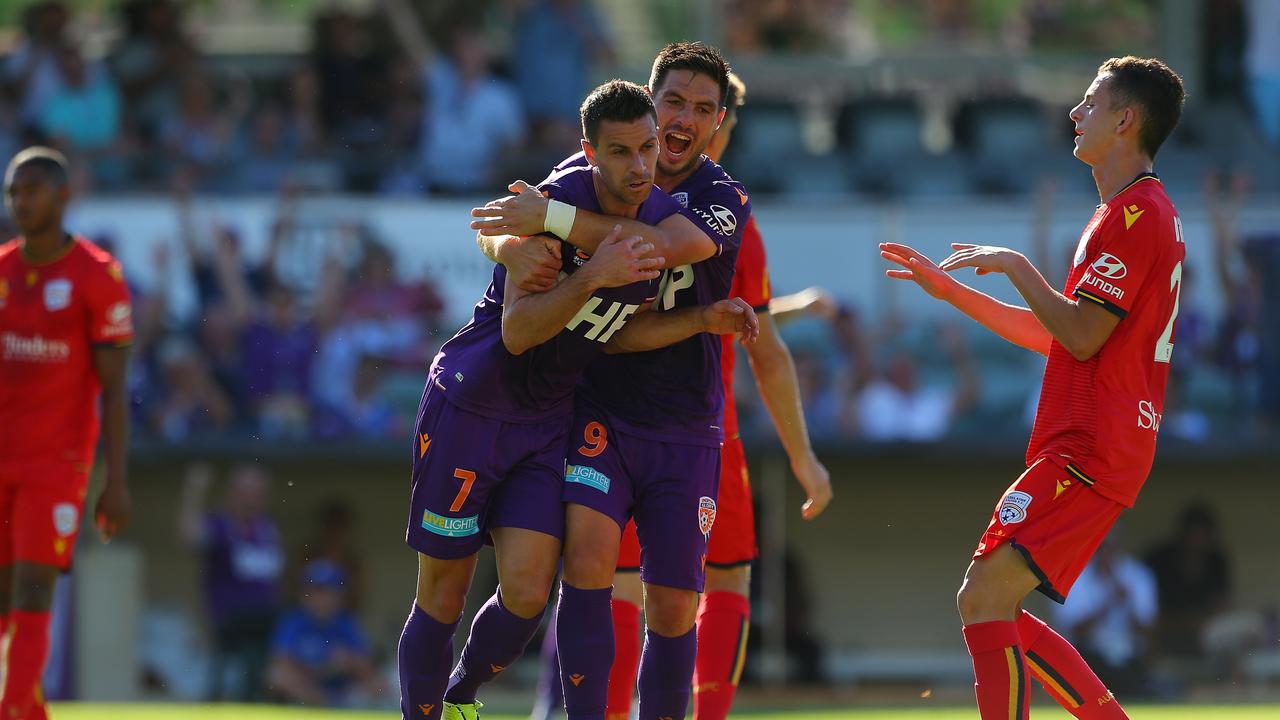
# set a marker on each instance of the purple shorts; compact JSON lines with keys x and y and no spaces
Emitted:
{"x":473,"y":473}
{"x":669,"y":488}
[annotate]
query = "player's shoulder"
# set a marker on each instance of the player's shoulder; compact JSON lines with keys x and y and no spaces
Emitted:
{"x":9,"y":248}
{"x":572,"y":176}
{"x":711,"y":176}
{"x":96,"y":261}
{"x":578,"y":159}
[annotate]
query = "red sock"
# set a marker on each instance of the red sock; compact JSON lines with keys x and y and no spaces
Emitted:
{"x":1064,"y":674}
{"x":723,"y":621}
{"x":626,"y":659}
{"x":1000,"y":677}
{"x":28,"y":652}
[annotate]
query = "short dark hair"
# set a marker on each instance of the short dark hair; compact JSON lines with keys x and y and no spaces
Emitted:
{"x":618,"y":101}
{"x":51,"y":161}
{"x":1155,"y":88}
{"x":696,"y":56}
{"x":737,"y":95}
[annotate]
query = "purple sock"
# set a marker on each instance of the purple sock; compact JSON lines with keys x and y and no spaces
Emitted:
{"x":497,"y":639}
{"x":666,"y":674}
{"x":584,"y":640}
{"x":426,"y":649}
{"x":550,"y":696}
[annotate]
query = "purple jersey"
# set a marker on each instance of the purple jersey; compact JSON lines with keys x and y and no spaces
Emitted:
{"x":674,"y":393}
{"x":476,"y":371}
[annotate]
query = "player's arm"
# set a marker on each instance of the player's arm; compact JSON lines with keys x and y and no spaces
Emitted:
{"x":775,"y":374}
{"x":533,"y":261}
{"x":653,"y":330}
{"x":1018,"y":325}
{"x":111,"y":365}
{"x":530,"y":319}
{"x":1081,"y":328}
{"x":810,"y":301}
{"x":529,"y":212}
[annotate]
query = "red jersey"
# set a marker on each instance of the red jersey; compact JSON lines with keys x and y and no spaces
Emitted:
{"x":1101,"y":416}
{"x":751,"y":283}
{"x":51,"y":317}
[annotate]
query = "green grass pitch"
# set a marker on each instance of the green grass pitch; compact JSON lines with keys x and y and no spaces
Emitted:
{"x":103,"y":711}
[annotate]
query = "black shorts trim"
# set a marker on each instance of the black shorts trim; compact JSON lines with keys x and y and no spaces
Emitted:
{"x":1080,"y":474}
{"x":628,"y":569}
{"x":1045,"y":586}
{"x":732,"y":565}
{"x":761,"y":308}
{"x":1106,"y":304}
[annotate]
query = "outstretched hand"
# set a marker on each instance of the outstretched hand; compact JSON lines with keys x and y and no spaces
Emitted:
{"x":982,"y":258}
{"x":916,"y":267}
{"x":524,"y":213}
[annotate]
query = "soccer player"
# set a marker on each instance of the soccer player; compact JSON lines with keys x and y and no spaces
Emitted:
{"x":648,"y":426}
{"x":724,"y":612}
{"x":494,"y":418}
{"x":1109,"y":340}
{"x":65,"y":329}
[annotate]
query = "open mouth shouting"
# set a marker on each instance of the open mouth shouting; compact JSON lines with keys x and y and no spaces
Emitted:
{"x":677,"y":144}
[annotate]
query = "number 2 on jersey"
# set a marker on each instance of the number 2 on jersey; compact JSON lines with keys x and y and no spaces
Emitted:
{"x":1164,"y":346}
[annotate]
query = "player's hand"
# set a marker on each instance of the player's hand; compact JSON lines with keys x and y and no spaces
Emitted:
{"x":533,"y":263}
{"x":734,"y":315}
{"x":816,"y":481}
{"x":524,"y":213}
{"x":622,"y":261}
{"x":112,"y":512}
{"x":917,"y":268}
{"x":983,"y":259}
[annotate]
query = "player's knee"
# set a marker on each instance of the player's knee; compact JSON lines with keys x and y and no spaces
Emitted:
{"x":443,"y":596}
{"x":670,"y":612}
{"x":525,"y":595}
{"x":588,"y":566}
{"x":981,"y":601}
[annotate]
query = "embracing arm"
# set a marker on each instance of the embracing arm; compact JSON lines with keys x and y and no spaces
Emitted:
{"x":676,"y":238}
{"x":653,"y":330}
{"x":530,"y":319}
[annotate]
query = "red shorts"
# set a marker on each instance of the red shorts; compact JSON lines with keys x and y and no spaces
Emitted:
{"x":1054,"y":520}
{"x":40,"y":508}
{"x":733,"y":539}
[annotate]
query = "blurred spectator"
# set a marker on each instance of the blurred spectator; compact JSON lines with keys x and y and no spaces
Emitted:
{"x":1194,"y":580}
{"x":565,"y":36}
{"x":1109,"y":617}
{"x":241,"y":560}
{"x":32,"y":74}
{"x":188,"y":401}
{"x":201,"y":134}
{"x":333,"y":540}
{"x":896,"y":406}
{"x":319,"y":654}
{"x":351,"y":74}
{"x":83,"y":113}
{"x":277,"y":342}
{"x":1262,"y":66}
{"x":265,"y":153}
{"x":151,"y":60}
{"x":1241,"y":283}
{"x":473,"y":119}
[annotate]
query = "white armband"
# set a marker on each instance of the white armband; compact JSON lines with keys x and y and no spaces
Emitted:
{"x":559,"y":220}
